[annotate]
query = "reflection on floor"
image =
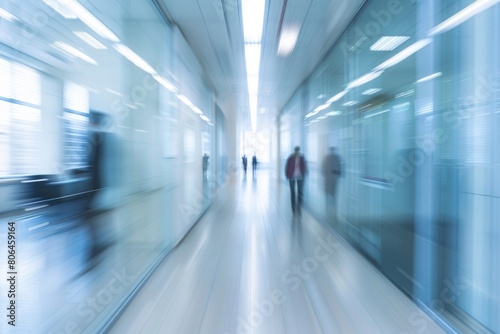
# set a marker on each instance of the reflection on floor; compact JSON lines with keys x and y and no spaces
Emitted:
{"x":59,"y":289}
{"x":249,"y":266}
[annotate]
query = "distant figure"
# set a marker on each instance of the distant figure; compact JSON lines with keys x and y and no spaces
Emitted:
{"x":295,"y":171}
{"x":254,"y":163}
{"x":331,"y":170}
{"x":244,"y":161}
{"x":205,"y":165}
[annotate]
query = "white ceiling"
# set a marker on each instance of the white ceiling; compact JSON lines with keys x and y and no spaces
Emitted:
{"x":213,"y":28}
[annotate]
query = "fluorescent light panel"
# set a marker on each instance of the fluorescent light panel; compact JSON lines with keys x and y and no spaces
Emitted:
{"x":429,"y":77}
{"x":253,"y":84}
{"x":318,"y":109}
{"x":8,"y":16}
{"x":74,"y":52}
{"x":371,"y":91}
{"x":134,"y":58}
{"x":475,"y":8}
{"x":61,"y":9}
{"x":312,"y":113}
{"x":253,"y":23}
{"x":288,"y":39}
{"x":377,"y":113}
{"x":350,"y":103}
{"x":253,"y":19}
{"x":197,"y":110}
{"x":399,"y":57}
{"x":90,"y":20}
{"x":388,"y":43}
{"x":333,"y":113}
{"x":90,"y":40}
{"x":337,"y":96}
{"x":252,"y":57}
{"x":364,"y":79}
{"x":185,"y":100}
{"x":322,"y":107}
{"x":190,"y":104}
{"x":168,"y":85}
{"x":165,"y":83}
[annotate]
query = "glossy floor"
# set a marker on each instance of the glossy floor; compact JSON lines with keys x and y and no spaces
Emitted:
{"x":250,"y":266}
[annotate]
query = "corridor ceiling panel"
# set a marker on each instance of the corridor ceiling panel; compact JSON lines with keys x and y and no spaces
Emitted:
{"x":214,"y":30}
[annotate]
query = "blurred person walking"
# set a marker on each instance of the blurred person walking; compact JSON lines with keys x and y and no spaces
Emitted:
{"x":331,"y":170}
{"x":295,"y":171}
{"x":104,"y":166}
{"x":244,"y":161}
{"x":205,"y":166}
{"x":254,"y":163}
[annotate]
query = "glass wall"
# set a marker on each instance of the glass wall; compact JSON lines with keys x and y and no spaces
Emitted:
{"x":408,"y":99}
{"x":108,"y":154}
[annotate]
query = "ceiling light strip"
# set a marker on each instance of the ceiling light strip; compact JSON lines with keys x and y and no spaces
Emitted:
{"x":364,"y":79}
{"x":399,"y":57}
{"x":90,"y":40}
{"x":61,"y":9}
{"x":135,"y":58}
{"x":429,"y":77}
{"x":8,"y":16}
{"x":337,"y":96}
{"x":377,"y":113}
{"x":74,"y":52}
{"x":288,"y":40}
{"x":86,"y":17}
{"x":468,"y":12}
{"x":388,"y":43}
{"x":253,"y":24}
{"x":371,"y":91}
{"x":165,"y":83}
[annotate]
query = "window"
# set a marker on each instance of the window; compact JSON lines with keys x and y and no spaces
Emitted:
{"x":76,"y":122}
{"x":20,"y":119}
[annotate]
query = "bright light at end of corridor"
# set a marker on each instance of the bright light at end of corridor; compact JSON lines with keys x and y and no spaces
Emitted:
{"x":253,"y":23}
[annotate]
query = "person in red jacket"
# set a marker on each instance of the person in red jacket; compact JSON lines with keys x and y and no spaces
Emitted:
{"x":295,"y":171}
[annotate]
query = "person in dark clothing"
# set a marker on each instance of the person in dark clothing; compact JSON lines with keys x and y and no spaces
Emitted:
{"x":295,"y":171}
{"x":332,"y":170}
{"x":103,"y":165}
{"x":244,"y":161}
{"x":254,"y":163}
{"x":205,"y":166}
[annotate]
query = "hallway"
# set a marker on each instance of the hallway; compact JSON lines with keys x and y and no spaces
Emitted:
{"x":250,"y":267}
